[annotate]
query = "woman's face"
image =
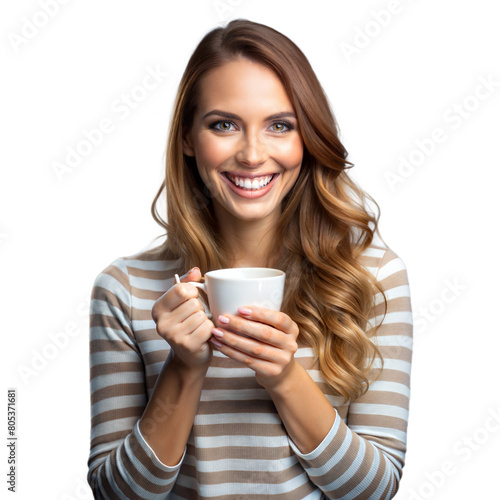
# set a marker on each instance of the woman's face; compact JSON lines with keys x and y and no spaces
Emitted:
{"x":245,"y":140}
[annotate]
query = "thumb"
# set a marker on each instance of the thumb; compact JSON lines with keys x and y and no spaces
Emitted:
{"x":192,"y":275}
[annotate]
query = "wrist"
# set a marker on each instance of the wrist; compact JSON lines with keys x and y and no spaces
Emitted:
{"x":185,"y":371}
{"x":287,"y":380}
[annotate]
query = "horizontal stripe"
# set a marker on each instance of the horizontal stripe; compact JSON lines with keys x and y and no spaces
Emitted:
{"x":394,"y":340}
{"x":393,"y":364}
{"x":114,"y":379}
{"x":251,"y":441}
{"x":149,"y":284}
{"x":383,"y":386}
{"x":144,"y":305}
{"x":240,"y":395}
{"x":392,"y":317}
{"x":374,"y":252}
{"x":386,"y":410}
{"x":157,"y":344}
{"x":117,"y":403}
{"x":397,"y":292}
{"x":241,"y":464}
{"x":304,"y":352}
{"x":140,"y":325}
{"x":385,"y":432}
{"x":224,"y":373}
{"x":100,"y":307}
{"x":152,"y":265}
{"x":237,"y":418}
{"x":391,"y":268}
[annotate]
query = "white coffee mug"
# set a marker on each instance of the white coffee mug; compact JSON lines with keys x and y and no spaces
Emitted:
{"x":229,"y":289}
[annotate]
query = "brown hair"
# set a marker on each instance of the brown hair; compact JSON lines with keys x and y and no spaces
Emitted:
{"x":325,"y":225}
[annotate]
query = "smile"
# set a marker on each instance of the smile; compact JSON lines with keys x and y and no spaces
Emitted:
{"x":248,"y":184}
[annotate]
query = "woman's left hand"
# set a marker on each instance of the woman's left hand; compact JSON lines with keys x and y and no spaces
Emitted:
{"x":267,"y":347}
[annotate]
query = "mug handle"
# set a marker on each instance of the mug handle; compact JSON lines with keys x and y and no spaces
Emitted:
{"x":203,"y":287}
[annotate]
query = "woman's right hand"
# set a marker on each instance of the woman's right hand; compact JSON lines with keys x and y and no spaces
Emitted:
{"x":181,"y":320}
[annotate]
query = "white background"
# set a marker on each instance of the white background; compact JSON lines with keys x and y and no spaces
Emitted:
{"x":409,"y":76}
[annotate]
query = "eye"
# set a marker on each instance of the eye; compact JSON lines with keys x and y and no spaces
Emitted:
{"x":281,"y":127}
{"x":223,"y":126}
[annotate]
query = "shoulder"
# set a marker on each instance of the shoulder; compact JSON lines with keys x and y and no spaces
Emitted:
{"x":383,"y":263}
{"x":141,"y":268}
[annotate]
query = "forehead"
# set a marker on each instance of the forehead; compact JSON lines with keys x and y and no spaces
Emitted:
{"x":244,"y":85}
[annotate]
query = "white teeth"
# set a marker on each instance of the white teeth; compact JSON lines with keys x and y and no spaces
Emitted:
{"x":249,"y":184}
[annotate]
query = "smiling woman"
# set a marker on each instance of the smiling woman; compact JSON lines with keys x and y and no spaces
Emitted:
{"x":308,"y":402}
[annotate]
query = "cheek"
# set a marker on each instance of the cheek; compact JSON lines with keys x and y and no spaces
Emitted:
{"x":210,"y":152}
{"x":291,"y":153}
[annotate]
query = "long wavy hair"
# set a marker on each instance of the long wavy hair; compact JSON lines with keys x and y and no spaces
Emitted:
{"x":325,"y":224}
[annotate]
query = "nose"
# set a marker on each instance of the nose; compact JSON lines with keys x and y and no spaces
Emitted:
{"x":252,"y":151}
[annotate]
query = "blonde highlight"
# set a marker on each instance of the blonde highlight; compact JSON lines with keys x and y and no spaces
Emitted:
{"x":325,"y":225}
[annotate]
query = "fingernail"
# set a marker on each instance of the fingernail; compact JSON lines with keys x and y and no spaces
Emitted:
{"x":244,"y":310}
{"x":223,"y":319}
{"x":218,"y":333}
{"x":216,"y":343}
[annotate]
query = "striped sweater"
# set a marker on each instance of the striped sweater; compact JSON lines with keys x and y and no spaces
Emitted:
{"x":238,"y":447}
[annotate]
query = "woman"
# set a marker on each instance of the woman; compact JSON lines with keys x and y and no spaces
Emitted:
{"x":312,"y":402}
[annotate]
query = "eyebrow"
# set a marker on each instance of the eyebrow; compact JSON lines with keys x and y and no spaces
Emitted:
{"x":283,"y":114}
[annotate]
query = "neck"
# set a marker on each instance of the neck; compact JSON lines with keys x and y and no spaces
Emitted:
{"x":251,"y":242}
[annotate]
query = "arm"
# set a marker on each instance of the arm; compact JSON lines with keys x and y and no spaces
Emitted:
{"x":121,"y":463}
{"x":174,"y":399}
{"x":361,"y":460}
{"x":181,"y":320}
{"x":364,"y":459}
{"x":125,"y":459}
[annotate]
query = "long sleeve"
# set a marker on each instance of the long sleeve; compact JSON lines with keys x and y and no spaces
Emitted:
{"x":363,"y":457}
{"x":121,"y":463}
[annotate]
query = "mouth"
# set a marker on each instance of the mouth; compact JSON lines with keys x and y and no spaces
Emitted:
{"x":250,"y":183}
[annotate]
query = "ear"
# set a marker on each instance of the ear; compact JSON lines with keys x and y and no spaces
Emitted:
{"x":187,"y":142}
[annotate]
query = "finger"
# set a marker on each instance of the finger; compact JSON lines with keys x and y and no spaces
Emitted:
{"x":262,"y":332}
{"x":203,"y":332}
{"x":192,"y":275}
{"x":183,"y":288}
{"x":279,"y":320}
{"x":245,"y":358}
{"x":187,"y":309}
{"x":249,"y":346}
{"x":174,"y":297}
{"x":243,"y":327}
{"x":193,"y":321}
